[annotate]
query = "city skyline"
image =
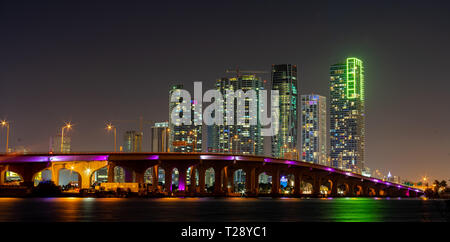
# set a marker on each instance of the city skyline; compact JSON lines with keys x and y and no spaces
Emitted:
{"x":103,"y":91}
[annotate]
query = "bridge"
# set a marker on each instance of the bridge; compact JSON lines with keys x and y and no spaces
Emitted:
{"x":337,"y":182}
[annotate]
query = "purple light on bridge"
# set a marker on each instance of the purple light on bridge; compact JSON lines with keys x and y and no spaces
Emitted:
{"x":153,"y":157}
{"x":181,"y":185}
{"x":375,"y":180}
{"x":329,"y":169}
{"x":24,"y":159}
{"x":290,"y":162}
{"x":216,"y":157}
{"x":348,"y":174}
{"x":79,"y":158}
{"x":399,"y":186}
{"x":387,"y":183}
{"x":267,"y":160}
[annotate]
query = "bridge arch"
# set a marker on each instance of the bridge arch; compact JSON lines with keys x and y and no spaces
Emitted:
{"x":359,"y":190}
{"x":307,"y":184}
{"x":149,"y":175}
{"x":210,"y":179}
{"x":123,"y":175}
{"x":287,"y":183}
{"x":11,"y":176}
{"x":69,"y":179}
{"x":99,"y":175}
{"x":239,"y":181}
{"x":44,"y":175}
{"x":264,"y":183}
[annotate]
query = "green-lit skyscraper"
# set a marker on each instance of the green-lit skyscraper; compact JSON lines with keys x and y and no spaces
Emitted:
{"x":347,"y":117}
{"x":284,"y":79}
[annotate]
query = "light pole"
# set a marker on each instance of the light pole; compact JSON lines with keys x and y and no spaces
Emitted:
{"x":5,"y":123}
{"x":111,"y":127}
{"x":68,"y":126}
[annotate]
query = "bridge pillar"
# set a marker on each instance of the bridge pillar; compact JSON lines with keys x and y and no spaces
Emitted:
{"x":276,"y":182}
{"x":182,"y":178}
{"x":139,"y":177}
{"x":316,"y":186}
{"x":128,"y":174}
{"x":365,"y":191}
{"x":226,"y":178}
{"x":110,"y":172}
{"x":297,"y":183}
{"x":218,"y":177}
{"x":334,"y":186}
{"x":192,"y":180}
{"x":351,"y":190}
{"x":201,"y":179}
{"x":155,"y":178}
{"x":168,"y":179}
{"x":3,"y":170}
{"x":250,"y":180}
{"x":55,"y":168}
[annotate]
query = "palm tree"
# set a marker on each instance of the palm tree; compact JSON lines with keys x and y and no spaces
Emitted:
{"x":436,"y":185}
{"x":443,"y":184}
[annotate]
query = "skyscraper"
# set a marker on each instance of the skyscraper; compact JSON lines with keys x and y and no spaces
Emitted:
{"x":160,"y":135}
{"x":347,"y":117}
{"x":314,"y":129}
{"x":284,"y":79}
{"x":233,"y":138}
{"x":184,"y":138}
{"x":132,"y":141}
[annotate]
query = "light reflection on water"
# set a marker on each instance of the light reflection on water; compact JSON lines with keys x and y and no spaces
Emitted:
{"x":222,"y":209}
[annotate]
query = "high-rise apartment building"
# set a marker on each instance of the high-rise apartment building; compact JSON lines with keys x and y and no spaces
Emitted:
{"x":184,"y":138}
{"x":347,"y":115}
{"x":231,"y":137}
{"x":284,"y":79}
{"x":314,"y":129}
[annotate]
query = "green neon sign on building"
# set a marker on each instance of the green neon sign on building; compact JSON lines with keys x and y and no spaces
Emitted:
{"x":355,"y":78}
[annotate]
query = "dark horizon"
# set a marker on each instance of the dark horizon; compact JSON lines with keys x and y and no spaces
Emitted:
{"x":94,"y":62}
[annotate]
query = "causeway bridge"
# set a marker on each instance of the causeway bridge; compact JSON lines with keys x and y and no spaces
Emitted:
{"x":337,"y":182}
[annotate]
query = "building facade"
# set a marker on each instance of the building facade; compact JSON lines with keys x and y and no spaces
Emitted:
{"x":160,"y":137}
{"x":233,"y":138}
{"x":132,"y":141}
{"x":284,"y":79}
{"x":184,"y":138}
{"x":314,"y":129}
{"x":55,"y":144}
{"x":347,"y":115}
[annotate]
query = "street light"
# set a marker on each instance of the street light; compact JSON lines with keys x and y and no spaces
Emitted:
{"x":5,"y":123}
{"x":111,"y":127}
{"x":67,"y":126}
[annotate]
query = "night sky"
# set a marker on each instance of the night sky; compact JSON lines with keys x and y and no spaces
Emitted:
{"x":95,"y":61}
